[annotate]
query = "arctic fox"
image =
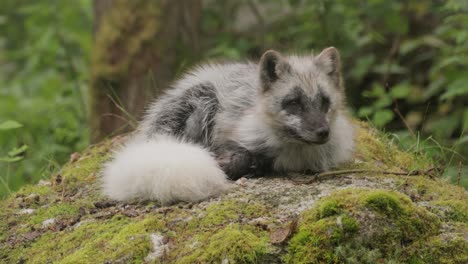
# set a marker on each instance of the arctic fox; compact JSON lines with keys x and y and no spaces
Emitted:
{"x":224,"y":121}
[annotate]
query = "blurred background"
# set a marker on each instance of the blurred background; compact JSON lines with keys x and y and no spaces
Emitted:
{"x":75,"y":72}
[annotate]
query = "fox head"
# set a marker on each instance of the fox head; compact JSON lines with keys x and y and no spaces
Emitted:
{"x":301,"y":94}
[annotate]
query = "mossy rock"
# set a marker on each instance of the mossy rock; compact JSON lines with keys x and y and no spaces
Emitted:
{"x":368,"y":217}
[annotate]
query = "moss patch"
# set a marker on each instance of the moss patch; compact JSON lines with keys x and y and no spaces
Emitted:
{"x":328,"y":208}
{"x":377,"y":223}
{"x":94,"y":242}
{"x":236,"y":243}
{"x":384,"y":202}
{"x":231,"y":211}
{"x":376,"y":151}
{"x":447,"y":201}
{"x":444,"y":248}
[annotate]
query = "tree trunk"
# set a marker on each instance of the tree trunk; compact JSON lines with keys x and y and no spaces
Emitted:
{"x":138,"y":48}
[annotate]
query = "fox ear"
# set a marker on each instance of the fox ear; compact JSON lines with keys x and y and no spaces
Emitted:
{"x":272,"y":67}
{"x":329,"y":61}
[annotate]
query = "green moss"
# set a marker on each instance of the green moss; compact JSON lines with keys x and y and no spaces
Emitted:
{"x":447,"y":201}
{"x":444,"y":248}
{"x":231,"y":211}
{"x":329,"y":208}
{"x":315,"y":241}
{"x":377,"y":151}
{"x":384,"y":202}
{"x":373,"y":222}
{"x":54,"y":211}
{"x":94,"y":242}
{"x":41,"y":190}
{"x":235,"y":242}
{"x":453,"y":210}
{"x":85,"y":170}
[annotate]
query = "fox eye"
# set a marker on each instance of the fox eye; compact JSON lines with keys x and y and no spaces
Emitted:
{"x":294,"y":102}
{"x":325,"y":104}
{"x":293,"y":105}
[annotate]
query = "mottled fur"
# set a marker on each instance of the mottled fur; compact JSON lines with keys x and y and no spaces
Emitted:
{"x":283,"y":114}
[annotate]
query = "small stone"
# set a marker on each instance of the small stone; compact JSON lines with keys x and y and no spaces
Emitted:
{"x":31,"y":235}
{"x":26,"y":211}
{"x":74,"y":157}
{"x":44,"y":183}
{"x":159,"y":247}
{"x":32,"y":198}
{"x":131,"y":213}
{"x":104,"y":204}
{"x":242,"y":182}
{"x":105,"y":215}
{"x":48,"y":222}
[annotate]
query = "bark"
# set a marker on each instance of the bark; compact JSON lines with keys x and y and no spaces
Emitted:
{"x":138,"y":48}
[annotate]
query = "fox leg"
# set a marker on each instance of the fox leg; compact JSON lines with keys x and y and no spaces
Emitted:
{"x":237,"y":162}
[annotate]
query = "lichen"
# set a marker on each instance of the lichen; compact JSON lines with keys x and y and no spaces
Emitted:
{"x":115,"y":50}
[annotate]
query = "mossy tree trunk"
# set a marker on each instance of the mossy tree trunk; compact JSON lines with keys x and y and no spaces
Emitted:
{"x":138,"y":48}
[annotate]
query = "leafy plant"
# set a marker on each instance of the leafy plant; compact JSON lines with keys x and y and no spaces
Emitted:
{"x":15,"y":154}
{"x":43,"y":74}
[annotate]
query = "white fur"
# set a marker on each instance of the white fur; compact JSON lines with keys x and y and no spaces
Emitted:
{"x":163,"y":169}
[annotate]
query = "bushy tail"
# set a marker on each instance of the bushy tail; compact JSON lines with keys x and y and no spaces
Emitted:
{"x":164,"y":169}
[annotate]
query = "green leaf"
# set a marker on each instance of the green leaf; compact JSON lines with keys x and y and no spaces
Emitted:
{"x":17,"y":151}
{"x":382,"y":117}
{"x":376,"y":92}
{"x":9,"y":124}
{"x":9,"y":159}
{"x":383,"y":102}
{"x":456,"y":88}
{"x":401,"y":90}
{"x":462,"y":140}
{"x":365,"y":111}
{"x":434,"y":87}
{"x":409,"y":45}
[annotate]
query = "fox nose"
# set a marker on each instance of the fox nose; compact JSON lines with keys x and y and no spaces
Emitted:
{"x":323,"y":133}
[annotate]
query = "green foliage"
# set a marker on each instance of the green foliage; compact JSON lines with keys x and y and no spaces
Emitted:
{"x":404,"y":62}
{"x":44,"y":49}
{"x":16,"y":153}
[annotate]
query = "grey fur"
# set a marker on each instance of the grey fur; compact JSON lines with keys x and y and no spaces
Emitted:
{"x":237,"y":111}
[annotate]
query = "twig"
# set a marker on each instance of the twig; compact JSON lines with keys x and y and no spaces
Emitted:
{"x":132,"y":124}
{"x":326,"y":174}
{"x":459,"y":172}
{"x":403,"y":119}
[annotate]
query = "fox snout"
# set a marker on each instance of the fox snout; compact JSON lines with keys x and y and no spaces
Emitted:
{"x":322,"y":134}
{"x":317,"y":136}
{"x":311,"y":136}
{"x":315,"y":129}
